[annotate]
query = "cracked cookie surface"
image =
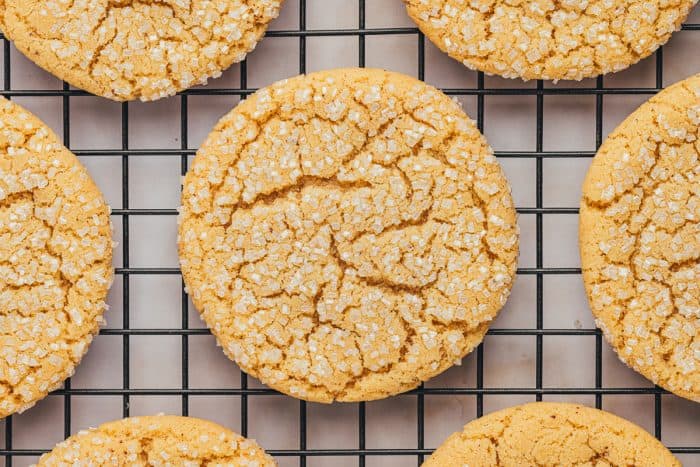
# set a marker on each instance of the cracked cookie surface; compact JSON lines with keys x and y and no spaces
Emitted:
{"x":549,"y":39}
{"x":640,"y":239}
{"x":55,"y":260}
{"x":548,"y":434}
{"x":347,"y":234}
{"x":129,"y":49}
{"x":158,"y":441}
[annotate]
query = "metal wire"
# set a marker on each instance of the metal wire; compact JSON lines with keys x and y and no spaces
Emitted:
{"x":480,"y":91}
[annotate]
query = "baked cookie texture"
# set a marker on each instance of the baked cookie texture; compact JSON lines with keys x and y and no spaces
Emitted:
{"x":129,"y":49}
{"x":640,"y":239}
{"x":55,"y":260}
{"x":551,"y":434}
{"x":549,"y":39}
{"x":347,"y":234}
{"x":158,"y":441}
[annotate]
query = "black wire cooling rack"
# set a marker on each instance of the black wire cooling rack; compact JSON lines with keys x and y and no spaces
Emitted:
{"x":361,"y":453}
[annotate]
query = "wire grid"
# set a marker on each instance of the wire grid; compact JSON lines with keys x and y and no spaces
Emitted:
{"x":361,"y":452}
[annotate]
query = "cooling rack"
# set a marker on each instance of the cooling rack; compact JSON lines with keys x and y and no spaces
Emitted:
{"x":156,"y":356}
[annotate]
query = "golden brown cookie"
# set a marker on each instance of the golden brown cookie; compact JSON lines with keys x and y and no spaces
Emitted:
{"x":640,"y":239}
{"x":158,"y":441}
{"x":545,"y":434}
{"x":129,"y":49}
{"x":549,"y":39}
{"x":347,"y":234}
{"x":55,"y":260}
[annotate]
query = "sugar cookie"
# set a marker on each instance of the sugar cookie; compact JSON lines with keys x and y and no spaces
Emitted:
{"x":158,"y":441}
{"x":640,"y":239}
{"x":55,"y":260}
{"x":549,"y":39}
{"x":129,"y":49}
{"x":551,"y":434}
{"x":347,"y":234}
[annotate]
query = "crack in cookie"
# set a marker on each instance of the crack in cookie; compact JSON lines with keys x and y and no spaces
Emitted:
{"x":131,"y":49}
{"x":549,"y":39}
{"x":347,"y":235}
{"x":640,"y":239}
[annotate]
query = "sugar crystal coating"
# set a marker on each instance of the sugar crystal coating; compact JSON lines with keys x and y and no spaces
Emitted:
{"x":347,"y":234}
{"x":551,"y":434}
{"x":158,"y":441}
{"x":549,"y":39}
{"x":129,"y":49}
{"x":55,"y":260}
{"x":640,"y":239}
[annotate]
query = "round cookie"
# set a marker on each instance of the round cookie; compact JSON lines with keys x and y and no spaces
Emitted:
{"x":640,"y":239}
{"x":347,"y":234}
{"x":129,"y":49}
{"x":551,"y":434}
{"x":549,"y":39}
{"x":160,"y":440}
{"x":55,"y":260}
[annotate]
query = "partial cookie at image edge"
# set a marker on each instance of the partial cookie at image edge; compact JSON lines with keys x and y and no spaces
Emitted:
{"x":158,"y":440}
{"x":140,"y":50}
{"x":548,"y":40}
{"x":640,"y":239}
{"x":545,"y":433}
{"x":55,"y":260}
